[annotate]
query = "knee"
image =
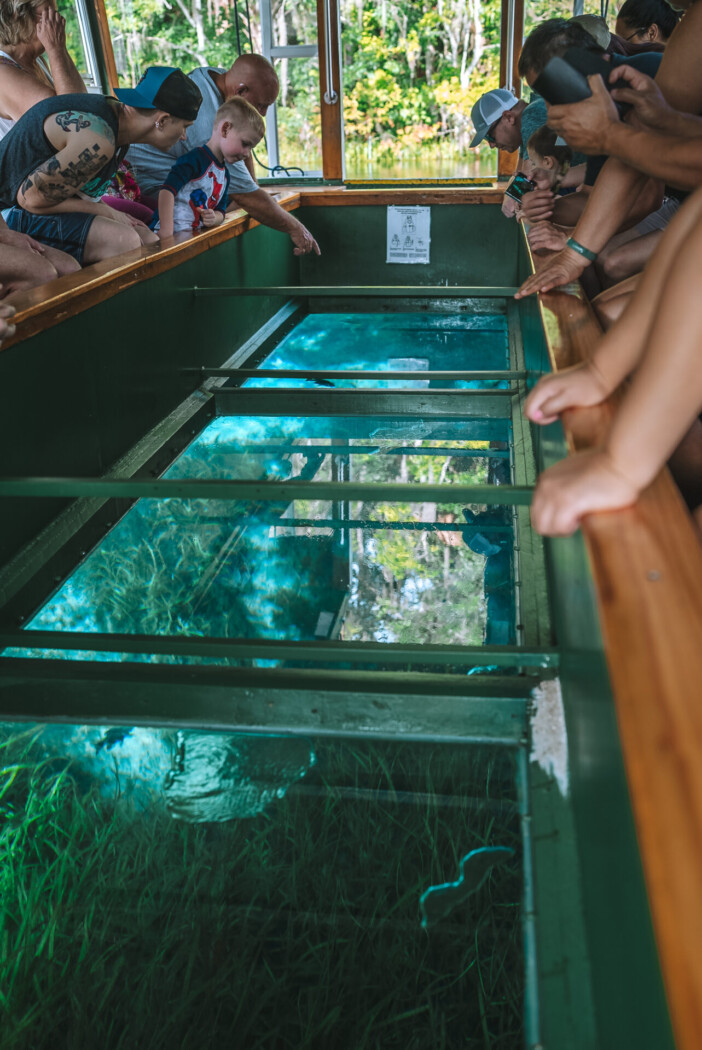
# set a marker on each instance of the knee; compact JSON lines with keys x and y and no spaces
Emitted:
{"x":614,"y":266}
{"x":126,"y":239}
{"x":610,"y":310}
{"x":147,"y":236}
{"x":35,"y":271}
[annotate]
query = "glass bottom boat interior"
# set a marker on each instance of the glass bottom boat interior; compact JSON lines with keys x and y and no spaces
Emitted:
{"x":282,"y":758}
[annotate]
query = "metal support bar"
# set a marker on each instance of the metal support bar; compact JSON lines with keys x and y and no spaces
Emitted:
{"x":367,"y":450}
{"x":350,"y":373}
{"x":383,"y":291}
{"x":379,"y":492}
{"x":363,"y":704}
{"x":318,"y":401}
{"x":353,"y":523}
{"x":321,"y":651}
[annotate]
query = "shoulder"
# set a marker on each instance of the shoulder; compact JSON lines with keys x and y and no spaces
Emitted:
{"x":647,"y":62}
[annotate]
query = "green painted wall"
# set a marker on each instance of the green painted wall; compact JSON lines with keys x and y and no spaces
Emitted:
{"x":470,"y":244}
{"x":76,"y":397}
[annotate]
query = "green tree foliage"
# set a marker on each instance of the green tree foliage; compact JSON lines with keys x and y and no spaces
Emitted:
{"x":412,"y":70}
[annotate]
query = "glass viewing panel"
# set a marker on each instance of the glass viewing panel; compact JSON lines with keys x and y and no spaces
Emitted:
{"x":163,"y":887}
{"x":308,"y":569}
{"x":396,"y":342}
{"x":418,"y":572}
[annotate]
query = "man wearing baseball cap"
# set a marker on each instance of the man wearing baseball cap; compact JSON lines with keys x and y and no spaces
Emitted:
{"x":505,"y":121}
{"x":65,"y":142}
{"x":253,"y":78}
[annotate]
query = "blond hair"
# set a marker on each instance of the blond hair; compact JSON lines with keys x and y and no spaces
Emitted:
{"x":18,"y":23}
{"x":242,"y":116}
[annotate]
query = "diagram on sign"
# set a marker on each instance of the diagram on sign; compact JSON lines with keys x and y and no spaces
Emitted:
{"x":408,"y":235}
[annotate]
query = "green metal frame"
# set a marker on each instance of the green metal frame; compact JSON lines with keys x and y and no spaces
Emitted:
{"x":390,"y":492}
{"x":365,"y":291}
{"x":503,"y":656}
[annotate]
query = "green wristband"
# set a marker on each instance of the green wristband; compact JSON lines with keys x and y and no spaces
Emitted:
{"x":581,"y":249}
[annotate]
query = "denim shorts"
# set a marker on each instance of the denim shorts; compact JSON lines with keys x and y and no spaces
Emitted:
{"x":67,"y":231}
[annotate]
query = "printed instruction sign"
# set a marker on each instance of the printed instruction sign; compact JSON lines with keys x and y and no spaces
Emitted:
{"x":409,"y":234}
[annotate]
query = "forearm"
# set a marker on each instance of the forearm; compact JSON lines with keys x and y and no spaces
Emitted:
{"x":37,"y":205}
{"x":665,"y":395}
{"x":264,"y":209}
{"x":621,"y":349}
{"x":675,"y":159}
{"x":67,"y":79}
{"x":610,"y":201}
{"x":166,"y":202}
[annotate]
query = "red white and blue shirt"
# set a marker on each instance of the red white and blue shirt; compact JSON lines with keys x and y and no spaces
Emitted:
{"x":196,"y":180}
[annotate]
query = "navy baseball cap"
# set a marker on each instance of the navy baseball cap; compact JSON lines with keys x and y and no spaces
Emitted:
{"x":166,"y":88}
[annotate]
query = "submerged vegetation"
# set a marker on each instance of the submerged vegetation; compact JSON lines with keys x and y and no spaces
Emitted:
{"x":297,"y":928}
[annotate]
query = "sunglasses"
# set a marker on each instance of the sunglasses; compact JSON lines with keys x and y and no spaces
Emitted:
{"x":490,"y":136}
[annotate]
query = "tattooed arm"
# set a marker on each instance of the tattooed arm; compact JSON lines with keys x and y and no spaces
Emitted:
{"x":84,"y":144}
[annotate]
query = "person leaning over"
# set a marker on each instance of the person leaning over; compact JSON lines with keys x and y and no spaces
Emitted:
{"x":196,"y":190}
{"x":64,"y":142}
{"x":665,"y":143}
{"x":254,"y":79}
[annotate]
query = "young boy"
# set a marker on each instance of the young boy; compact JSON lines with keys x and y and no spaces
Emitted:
{"x":195,"y":192}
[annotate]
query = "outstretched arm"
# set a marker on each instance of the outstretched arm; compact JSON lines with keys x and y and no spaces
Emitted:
{"x":261,"y":206}
{"x":658,"y":408}
{"x":622,"y":347}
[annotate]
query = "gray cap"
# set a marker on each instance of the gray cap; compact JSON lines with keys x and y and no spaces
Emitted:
{"x":488,"y":109}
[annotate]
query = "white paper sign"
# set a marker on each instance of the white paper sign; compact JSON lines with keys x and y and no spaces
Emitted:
{"x":409,"y":234}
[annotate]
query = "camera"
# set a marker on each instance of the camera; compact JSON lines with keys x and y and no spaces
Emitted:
{"x":520,"y":185}
{"x":564,"y":80}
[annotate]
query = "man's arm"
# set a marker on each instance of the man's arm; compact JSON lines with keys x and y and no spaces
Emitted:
{"x":261,"y":206}
{"x":84,"y":144}
{"x":166,"y":204}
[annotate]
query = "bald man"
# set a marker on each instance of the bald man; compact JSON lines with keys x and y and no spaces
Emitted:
{"x":253,"y":78}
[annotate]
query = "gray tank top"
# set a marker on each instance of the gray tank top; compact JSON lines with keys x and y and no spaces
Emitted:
{"x":26,"y":147}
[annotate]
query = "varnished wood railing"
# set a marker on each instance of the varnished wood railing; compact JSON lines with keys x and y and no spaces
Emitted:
{"x":647,"y":568}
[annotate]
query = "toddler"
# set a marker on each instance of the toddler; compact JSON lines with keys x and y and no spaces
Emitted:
{"x":195,"y":193}
{"x":549,"y":164}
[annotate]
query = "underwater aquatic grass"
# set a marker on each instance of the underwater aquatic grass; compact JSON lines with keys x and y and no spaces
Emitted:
{"x":297,"y":928}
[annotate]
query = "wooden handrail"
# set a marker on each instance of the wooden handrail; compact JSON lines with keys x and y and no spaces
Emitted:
{"x":646,"y":564}
{"x":49,"y":304}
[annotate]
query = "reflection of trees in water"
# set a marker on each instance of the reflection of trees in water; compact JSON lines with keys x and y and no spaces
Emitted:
{"x":413,"y":586}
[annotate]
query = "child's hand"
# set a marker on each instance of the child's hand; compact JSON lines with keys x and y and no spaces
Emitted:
{"x":581,"y":385}
{"x":210,"y":217}
{"x":581,"y":484}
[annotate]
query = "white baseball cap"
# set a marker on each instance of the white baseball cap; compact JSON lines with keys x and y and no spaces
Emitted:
{"x":488,"y":109}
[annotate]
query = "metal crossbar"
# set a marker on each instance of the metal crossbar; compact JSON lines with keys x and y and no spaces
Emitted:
{"x":355,"y":373}
{"x":385,"y":492}
{"x":321,"y":651}
{"x":383,"y":291}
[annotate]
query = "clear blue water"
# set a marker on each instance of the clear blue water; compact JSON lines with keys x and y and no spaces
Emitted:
{"x":171,"y":887}
{"x":397,"y":342}
{"x":310,"y":569}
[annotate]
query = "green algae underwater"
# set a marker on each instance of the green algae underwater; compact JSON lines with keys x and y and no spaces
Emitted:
{"x":297,"y":928}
